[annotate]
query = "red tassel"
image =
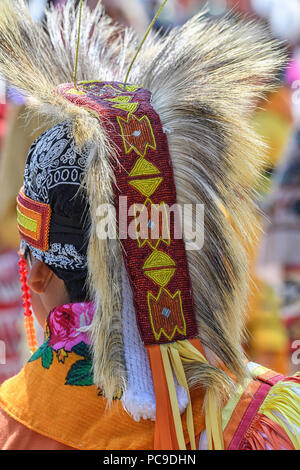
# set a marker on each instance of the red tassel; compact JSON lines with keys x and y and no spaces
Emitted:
{"x":26,"y":298}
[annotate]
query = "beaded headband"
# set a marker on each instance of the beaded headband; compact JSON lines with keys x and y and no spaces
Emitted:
{"x":157,"y":268}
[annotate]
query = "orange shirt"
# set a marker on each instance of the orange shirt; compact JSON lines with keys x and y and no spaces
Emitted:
{"x":15,"y":436}
{"x":75,"y":416}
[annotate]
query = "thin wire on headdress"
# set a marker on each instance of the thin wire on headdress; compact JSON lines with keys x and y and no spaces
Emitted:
{"x":136,"y":54}
{"x":144,"y":39}
{"x":77,"y":47}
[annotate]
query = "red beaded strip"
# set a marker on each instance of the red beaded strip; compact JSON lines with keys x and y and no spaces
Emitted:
{"x":26,"y":298}
{"x":157,"y":267}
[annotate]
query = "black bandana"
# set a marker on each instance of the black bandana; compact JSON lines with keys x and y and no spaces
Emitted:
{"x":54,"y":173}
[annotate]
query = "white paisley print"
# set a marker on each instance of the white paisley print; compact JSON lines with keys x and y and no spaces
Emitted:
{"x":55,"y":160}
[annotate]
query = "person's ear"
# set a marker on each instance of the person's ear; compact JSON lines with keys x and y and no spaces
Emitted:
{"x":39,"y":277}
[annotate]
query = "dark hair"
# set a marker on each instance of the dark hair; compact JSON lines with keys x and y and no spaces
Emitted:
{"x":77,"y":290}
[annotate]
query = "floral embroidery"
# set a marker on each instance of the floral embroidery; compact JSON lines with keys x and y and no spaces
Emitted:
{"x":64,"y":338}
{"x":65,"y":322}
{"x":46,"y":353}
{"x":61,"y":355}
{"x":80,"y":372}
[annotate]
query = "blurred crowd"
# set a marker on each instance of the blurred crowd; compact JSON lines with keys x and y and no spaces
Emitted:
{"x":272,"y":331}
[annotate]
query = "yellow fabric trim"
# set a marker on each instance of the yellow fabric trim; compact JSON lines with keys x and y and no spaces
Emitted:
{"x":131,"y":88}
{"x":73,"y":91}
{"x":123,"y":102}
{"x":121,"y":99}
{"x":282,"y":405}
{"x":259,"y":370}
{"x":114,"y":89}
{"x":87,"y":82}
{"x":130,"y":107}
{"x":232,"y":403}
{"x":141,"y":242}
{"x":26,"y":222}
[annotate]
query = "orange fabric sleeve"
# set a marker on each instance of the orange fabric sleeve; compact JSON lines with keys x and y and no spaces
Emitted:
{"x":15,"y":436}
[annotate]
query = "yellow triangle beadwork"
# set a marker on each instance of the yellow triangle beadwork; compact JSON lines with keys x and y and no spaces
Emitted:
{"x":113,"y":88}
{"x":73,"y":91}
{"x":146,"y":187}
{"x":158,"y":259}
{"x":123,"y":102}
{"x":130,"y":107}
{"x":161,"y":277}
{"x":143,"y":167}
{"x":119,"y":99}
{"x":131,"y":88}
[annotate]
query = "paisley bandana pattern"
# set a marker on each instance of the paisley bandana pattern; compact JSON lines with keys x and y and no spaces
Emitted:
{"x":52,"y":161}
{"x":54,"y":172}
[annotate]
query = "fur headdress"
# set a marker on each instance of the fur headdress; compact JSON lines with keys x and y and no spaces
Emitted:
{"x":204,"y":79}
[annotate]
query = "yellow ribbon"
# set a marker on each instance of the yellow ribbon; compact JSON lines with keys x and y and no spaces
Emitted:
{"x":173,"y":356}
{"x":181,"y":378}
{"x":173,"y":397}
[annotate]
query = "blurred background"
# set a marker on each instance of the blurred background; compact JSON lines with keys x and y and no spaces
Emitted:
{"x":273,"y":316}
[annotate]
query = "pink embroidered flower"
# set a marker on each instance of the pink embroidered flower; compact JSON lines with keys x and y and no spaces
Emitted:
{"x":64,"y":322}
